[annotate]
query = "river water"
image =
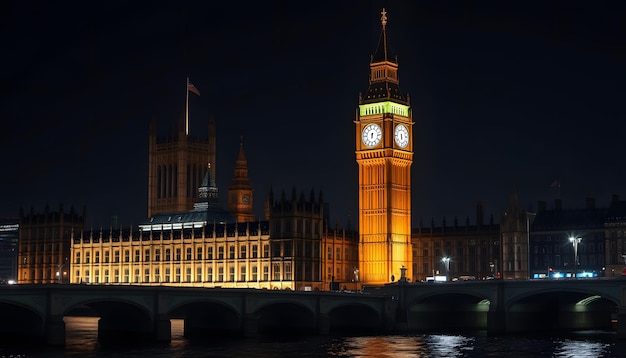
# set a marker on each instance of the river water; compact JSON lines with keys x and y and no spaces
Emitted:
{"x":81,"y":341}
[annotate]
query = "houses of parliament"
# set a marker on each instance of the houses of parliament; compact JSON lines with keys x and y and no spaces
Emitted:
{"x":189,"y":239}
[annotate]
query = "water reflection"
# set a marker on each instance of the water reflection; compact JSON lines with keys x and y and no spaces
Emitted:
{"x":432,"y":346}
{"x":378,"y":346}
{"x":82,"y":340}
{"x":81,"y":334}
{"x":449,"y":346}
{"x":572,"y":349}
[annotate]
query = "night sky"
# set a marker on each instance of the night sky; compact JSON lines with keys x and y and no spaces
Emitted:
{"x":504,"y":94}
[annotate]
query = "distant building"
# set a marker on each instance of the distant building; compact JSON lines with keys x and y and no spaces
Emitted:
{"x":584,"y":242}
{"x":615,"y":238}
{"x":44,"y":245}
{"x":9,"y":234}
{"x":473,"y":250}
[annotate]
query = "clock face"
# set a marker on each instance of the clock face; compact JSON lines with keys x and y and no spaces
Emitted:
{"x":371,"y":135}
{"x":401,"y":136}
{"x":245,"y":198}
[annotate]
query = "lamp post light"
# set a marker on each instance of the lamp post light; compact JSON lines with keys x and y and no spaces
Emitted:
{"x":575,"y":241}
{"x":59,"y":273}
{"x":446,"y":261}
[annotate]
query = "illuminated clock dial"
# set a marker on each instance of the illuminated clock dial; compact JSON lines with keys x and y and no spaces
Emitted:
{"x":245,"y":198}
{"x":401,"y":136}
{"x":371,"y":135}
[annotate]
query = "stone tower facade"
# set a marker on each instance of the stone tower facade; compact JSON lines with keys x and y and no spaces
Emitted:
{"x":176,"y":167}
{"x":384,"y":154}
{"x":240,"y":190}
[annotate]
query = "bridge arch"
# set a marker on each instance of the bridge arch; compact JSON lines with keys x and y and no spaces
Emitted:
{"x":285,"y":317}
{"x":448,"y":310}
{"x":208,"y":318}
{"x":21,"y":325}
{"x":354,"y":319}
{"x":565,"y":308}
{"x":120,"y":320}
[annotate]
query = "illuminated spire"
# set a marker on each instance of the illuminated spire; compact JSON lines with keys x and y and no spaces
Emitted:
{"x":384,"y":82}
{"x":240,"y":190}
{"x":383,"y":18}
{"x":383,"y":52}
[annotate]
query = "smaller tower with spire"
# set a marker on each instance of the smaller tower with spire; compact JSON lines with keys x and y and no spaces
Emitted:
{"x":240,"y":190}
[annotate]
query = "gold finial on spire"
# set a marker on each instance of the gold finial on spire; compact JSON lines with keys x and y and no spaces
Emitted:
{"x":383,"y":19}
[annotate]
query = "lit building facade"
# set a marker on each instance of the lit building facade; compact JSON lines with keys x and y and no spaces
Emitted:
{"x":340,"y":259}
{"x":384,"y":154}
{"x":283,"y":252}
{"x":44,"y":245}
{"x":216,"y":255}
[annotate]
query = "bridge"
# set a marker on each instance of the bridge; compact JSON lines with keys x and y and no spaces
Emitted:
{"x":510,"y":306}
{"x":35,"y":313}
{"x":139,"y":312}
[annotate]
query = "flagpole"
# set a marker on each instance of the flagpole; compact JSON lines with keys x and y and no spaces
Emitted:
{"x":187,"y":107}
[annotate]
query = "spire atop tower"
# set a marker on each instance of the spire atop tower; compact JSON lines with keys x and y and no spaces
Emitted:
{"x":383,"y":18}
{"x":384,"y":83}
{"x":241,"y":162}
{"x":383,"y":50}
{"x":240,"y":189}
{"x":207,"y":192}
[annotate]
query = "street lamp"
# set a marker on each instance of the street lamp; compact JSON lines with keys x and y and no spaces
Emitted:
{"x":575,"y":241}
{"x":446,"y":261}
{"x":59,"y":272}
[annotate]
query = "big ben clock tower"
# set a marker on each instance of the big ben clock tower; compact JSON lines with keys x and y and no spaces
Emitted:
{"x":384,"y":154}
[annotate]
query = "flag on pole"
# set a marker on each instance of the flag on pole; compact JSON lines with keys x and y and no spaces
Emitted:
{"x":193,"y":89}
